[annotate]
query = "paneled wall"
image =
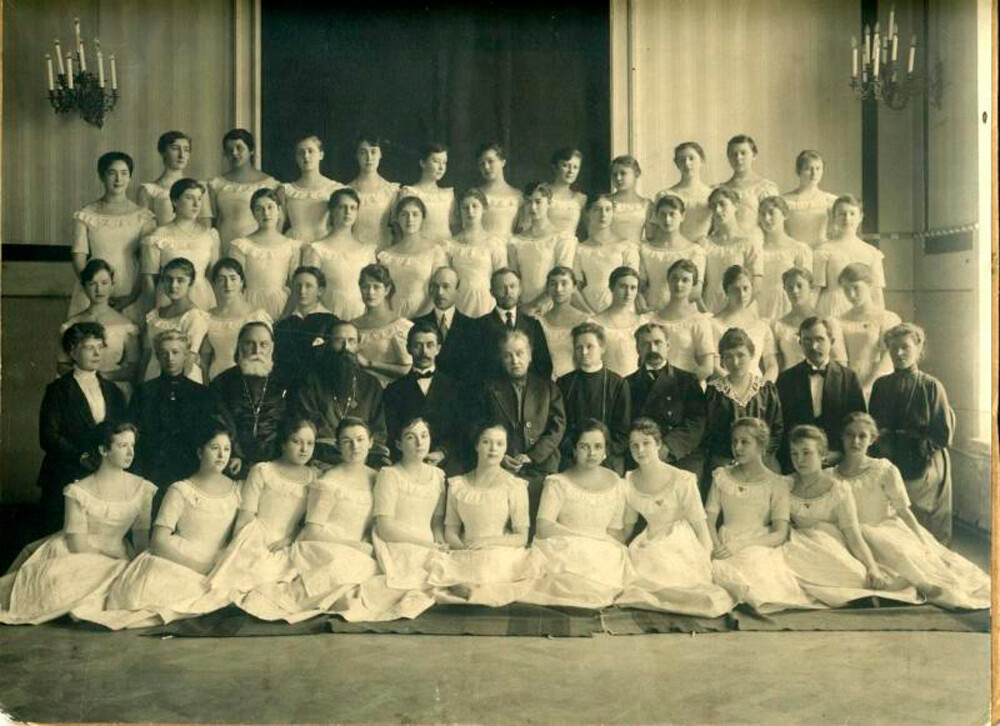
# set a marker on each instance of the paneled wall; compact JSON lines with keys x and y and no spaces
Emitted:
{"x":706,"y":70}
{"x":175,"y":71}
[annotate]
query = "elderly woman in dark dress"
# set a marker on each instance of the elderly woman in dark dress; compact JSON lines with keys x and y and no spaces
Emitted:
{"x":916,"y":425}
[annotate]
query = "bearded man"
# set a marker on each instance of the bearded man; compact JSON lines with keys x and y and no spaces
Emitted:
{"x":252,"y":399}
{"x":338,"y":388}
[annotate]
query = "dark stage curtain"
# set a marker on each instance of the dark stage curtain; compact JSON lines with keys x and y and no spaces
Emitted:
{"x":534,"y":78}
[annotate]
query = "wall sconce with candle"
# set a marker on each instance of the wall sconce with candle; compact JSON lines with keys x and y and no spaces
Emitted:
{"x":75,"y":88}
{"x":880,"y":75}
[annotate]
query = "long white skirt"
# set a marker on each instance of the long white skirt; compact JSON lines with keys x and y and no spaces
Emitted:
{"x":402,"y":592}
{"x":494,"y":576}
{"x":673,"y":572}
{"x":248,"y":562}
{"x":578,"y":571}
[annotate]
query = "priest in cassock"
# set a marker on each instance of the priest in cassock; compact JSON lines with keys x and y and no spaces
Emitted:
{"x":252,"y":398}
{"x":431,"y":394}
{"x":336,"y":388}
{"x":593,"y":392}
{"x":670,"y":396}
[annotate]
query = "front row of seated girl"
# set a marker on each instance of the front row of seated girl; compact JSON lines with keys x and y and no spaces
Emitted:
{"x":291,"y":545}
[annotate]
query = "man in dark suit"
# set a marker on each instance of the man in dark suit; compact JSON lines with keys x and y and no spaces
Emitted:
{"x":817,"y":390}
{"x":73,"y":406}
{"x":670,"y":396}
{"x":457,"y":356}
{"x":531,"y":408}
{"x":430,"y":394}
{"x":505,"y":286}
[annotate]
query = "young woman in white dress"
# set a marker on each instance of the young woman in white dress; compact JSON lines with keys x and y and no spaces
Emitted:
{"x":375,"y":195}
{"x":74,"y":567}
{"x":843,"y":248}
{"x":539,"y":248}
{"x":751,"y":187}
{"x":747,"y":558}
{"x":666,"y":245}
{"x":182,"y":237}
{"x":558,"y":322}
{"x":825,"y":549}
{"x":341,"y":256}
{"x":440,"y":214}
{"x":888,"y":525}
{"x":193,"y":525}
{"x":567,"y":204}
{"x":174,"y":147}
{"x":689,"y":158}
{"x":599,"y":254}
{"x":272,"y":505}
{"x":412,"y":259}
{"x":726,"y":245}
{"x":809,"y":206}
{"x":306,"y":199}
{"x":218,"y":349}
{"x":409,"y":532}
{"x":120,"y":361}
{"x":689,"y":331}
{"x":504,"y":200}
{"x":632,"y":210}
{"x":232,"y":193}
{"x":739,"y":312}
{"x":382,"y":332}
{"x":580,"y":529}
{"x":475,"y":254}
{"x":620,"y":321}
{"x":110,"y":229}
{"x":798,"y":286}
{"x":179,"y":313}
{"x":780,"y":253}
{"x":486,"y":526}
{"x":863,"y":327}
{"x":332,"y":554}
{"x":671,"y":558}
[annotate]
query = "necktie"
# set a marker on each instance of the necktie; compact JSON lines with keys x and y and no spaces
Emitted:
{"x":817,"y":372}
{"x":443,"y":327}
{"x":510,"y":320}
{"x":424,"y":374}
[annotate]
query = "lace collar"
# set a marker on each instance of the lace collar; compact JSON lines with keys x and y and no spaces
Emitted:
{"x":723,"y":386}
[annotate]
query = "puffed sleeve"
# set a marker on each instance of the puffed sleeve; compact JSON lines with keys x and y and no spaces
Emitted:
{"x":804,"y":258}
{"x":149,"y":255}
{"x":498,"y":255}
{"x":713,"y":505}
{"x":565,"y":250}
{"x":847,"y":509}
{"x":779,"y":501}
{"x":321,"y":501}
{"x":386,"y":493}
{"x":172,"y":507}
{"x":691,"y":504}
{"x":252,"y":488}
{"x":517,"y":501}
{"x":552,"y":499}
{"x":452,"y":518}
{"x":206,"y":211}
{"x":238,"y":251}
{"x":894,"y":488}
{"x":144,"y":517}
{"x":618,"y":516}
{"x":630,"y":256}
{"x":703,"y":338}
{"x":195,"y":323}
{"x":81,"y":235}
{"x":76,"y":516}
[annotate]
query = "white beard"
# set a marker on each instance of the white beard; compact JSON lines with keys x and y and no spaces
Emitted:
{"x":256,"y":367}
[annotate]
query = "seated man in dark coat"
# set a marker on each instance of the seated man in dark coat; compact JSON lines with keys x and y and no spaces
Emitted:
{"x":531,"y":408}
{"x":253,"y":399}
{"x":338,"y":388}
{"x":457,"y":356}
{"x":73,"y":406}
{"x":305,"y":333}
{"x":817,"y":390}
{"x":430,"y":394}
{"x":593,"y":392}
{"x":505,"y":286}
{"x":671,"y":397}
{"x":170,"y":412}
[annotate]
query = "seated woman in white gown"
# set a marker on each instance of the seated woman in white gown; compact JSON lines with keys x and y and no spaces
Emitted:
{"x":486,"y":526}
{"x":333,"y":554}
{"x":888,"y":525}
{"x":192,"y":527}
{"x":747,"y":558}
{"x":825,"y":549}
{"x":475,"y":254}
{"x":580,"y":529}
{"x":272,"y":504}
{"x":409,"y":532}
{"x":671,"y":558}
{"x":382,"y":331}
{"x":75,"y":567}
{"x":225,"y":320}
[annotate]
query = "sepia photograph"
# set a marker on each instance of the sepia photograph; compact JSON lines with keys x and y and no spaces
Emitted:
{"x":604,"y":361}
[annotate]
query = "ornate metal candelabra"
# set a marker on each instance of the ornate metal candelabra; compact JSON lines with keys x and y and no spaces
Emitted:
{"x":81,"y":90}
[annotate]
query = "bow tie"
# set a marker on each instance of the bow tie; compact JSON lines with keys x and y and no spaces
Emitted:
{"x":423,"y":374}
{"x":817,"y":371}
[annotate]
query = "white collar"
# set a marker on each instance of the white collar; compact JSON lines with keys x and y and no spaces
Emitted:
{"x":447,"y":315}
{"x":320,"y":308}
{"x":82,"y":375}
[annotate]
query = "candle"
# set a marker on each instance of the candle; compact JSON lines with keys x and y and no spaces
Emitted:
{"x":895,"y":46}
{"x":892,"y":18}
{"x":867,"y":53}
{"x":76,"y":29}
{"x":854,"y":57}
{"x":62,"y":68}
{"x":114,"y":74}
{"x":876,"y":51}
{"x":913,"y":54}
{"x":48,"y":67}
{"x":69,"y":71}
{"x":100,"y":63}
{"x":82,"y":57}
